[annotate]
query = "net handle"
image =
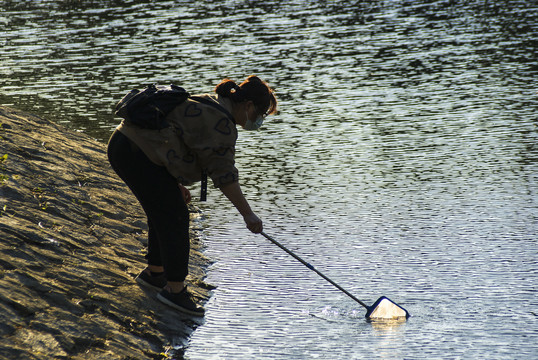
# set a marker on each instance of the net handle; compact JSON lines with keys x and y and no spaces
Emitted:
{"x":313,"y":269}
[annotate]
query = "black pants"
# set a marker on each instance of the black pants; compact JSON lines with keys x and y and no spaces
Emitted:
{"x":160,"y":197}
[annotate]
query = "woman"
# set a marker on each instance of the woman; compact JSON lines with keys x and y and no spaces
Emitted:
{"x":158,"y":164}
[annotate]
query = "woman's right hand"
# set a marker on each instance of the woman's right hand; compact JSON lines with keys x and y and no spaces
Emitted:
{"x":254,"y":223}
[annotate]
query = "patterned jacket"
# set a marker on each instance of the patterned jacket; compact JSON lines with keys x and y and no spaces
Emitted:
{"x":200,"y":138}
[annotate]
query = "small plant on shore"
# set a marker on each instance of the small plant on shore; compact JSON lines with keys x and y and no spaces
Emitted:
{"x":3,"y":177}
{"x":95,"y":218}
{"x":6,"y":212}
{"x":38,"y":195}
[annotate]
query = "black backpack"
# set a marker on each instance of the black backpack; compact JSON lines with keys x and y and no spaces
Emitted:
{"x":149,"y":107}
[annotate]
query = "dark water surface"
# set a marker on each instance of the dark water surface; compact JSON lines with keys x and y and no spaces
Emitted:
{"x":403,"y":162}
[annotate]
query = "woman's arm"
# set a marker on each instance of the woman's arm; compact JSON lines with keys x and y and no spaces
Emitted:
{"x":233,"y":192}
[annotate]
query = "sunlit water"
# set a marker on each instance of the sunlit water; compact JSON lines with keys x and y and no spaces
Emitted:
{"x":403,"y":161}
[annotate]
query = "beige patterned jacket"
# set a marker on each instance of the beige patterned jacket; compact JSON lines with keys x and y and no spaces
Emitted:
{"x":200,"y":138}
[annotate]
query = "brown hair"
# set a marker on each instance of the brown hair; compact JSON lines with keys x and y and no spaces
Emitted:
{"x":253,"y":89}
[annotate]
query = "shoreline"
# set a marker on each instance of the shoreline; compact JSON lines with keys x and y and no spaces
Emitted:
{"x":73,"y":240}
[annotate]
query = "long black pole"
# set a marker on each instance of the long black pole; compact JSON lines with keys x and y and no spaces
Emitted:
{"x":313,"y":269}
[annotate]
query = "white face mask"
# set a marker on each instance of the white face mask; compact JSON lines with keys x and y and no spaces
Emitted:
{"x":253,"y":125}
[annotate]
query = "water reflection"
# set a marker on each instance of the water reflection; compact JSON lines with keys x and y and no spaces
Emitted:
{"x":402,"y":163}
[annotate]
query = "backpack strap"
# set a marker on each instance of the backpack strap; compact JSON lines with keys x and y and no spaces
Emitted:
{"x":203,"y":190}
{"x":216,"y":105}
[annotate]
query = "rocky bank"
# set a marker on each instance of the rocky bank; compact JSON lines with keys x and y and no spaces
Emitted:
{"x":72,"y":240}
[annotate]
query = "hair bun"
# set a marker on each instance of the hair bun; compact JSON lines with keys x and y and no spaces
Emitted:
{"x":254,"y":78}
{"x":228,"y":88}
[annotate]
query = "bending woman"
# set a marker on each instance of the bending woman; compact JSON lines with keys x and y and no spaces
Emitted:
{"x":158,"y":164}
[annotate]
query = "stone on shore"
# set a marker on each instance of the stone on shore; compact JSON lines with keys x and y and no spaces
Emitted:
{"x":72,"y":241}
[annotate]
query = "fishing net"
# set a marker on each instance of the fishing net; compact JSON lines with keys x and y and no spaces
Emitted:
{"x":385,"y":309}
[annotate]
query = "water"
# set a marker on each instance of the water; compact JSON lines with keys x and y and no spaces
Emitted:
{"x":403,"y":161}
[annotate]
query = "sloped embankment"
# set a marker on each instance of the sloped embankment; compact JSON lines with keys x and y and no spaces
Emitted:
{"x":71,"y":242}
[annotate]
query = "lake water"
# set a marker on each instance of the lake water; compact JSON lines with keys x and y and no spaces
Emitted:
{"x":403,"y":161}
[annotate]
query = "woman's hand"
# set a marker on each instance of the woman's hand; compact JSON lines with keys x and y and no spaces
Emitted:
{"x":186,"y":193}
{"x":254,"y":223}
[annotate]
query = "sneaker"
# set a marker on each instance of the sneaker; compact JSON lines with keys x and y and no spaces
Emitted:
{"x":156,"y":282}
{"x":182,"y":301}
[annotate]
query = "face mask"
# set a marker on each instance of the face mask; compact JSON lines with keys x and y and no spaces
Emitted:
{"x":253,"y":125}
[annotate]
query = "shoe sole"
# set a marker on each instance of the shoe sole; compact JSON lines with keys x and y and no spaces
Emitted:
{"x":177,"y":307}
{"x":147,"y":284}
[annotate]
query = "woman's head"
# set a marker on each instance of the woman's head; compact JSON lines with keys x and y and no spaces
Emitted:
{"x":251,"y":91}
